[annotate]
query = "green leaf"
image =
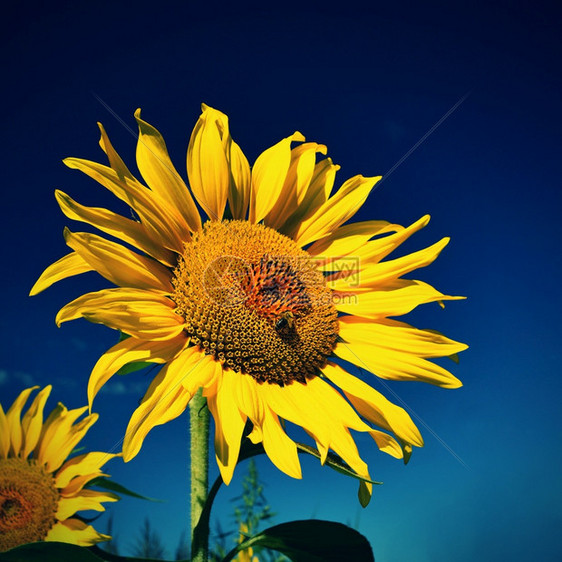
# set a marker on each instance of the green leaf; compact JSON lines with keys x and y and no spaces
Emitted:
{"x":454,"y":357}
{"x":312,"y":540}
{"x":48,"y":552}
{"x":107,"y":484}
{"x":132,"y":367}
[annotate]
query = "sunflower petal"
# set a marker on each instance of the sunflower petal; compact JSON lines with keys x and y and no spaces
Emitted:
{"x":376,"y":250}
{"x":161,"y":176}
{"x":350,"y":239}
{"x":105,"y":298}
{"x":208,"y":168}
{"x":4,"y":434}
{"x":62,"y":436}
{"x":167,"y":396}
{"x":78,"y":483}
{"x":395,"y":298}
{"x":268,"y":176}
{"x":376,"y":275}
{"x":118,"y":264}
{"x":374,"y":406}
{"x":32,"y":421}
{"x":161,"y":220}
{"x":115,"y":160}
{"x":397,"y":336}
{"x":316,"y":195}
{"x":68,"y":266}
{"x":75,"y":531}
{"x":87,"y":463}
{"x":338,"y":209}
{"x":127,"y":230}
{"x":131,"y":350}
{"x":229,"y":424}
{"x":299,"y":175}
{"x":387,"y":443}
{"x":240,"y":184}
{"x":138,"y":313}
{"x":84,"y":500}
{"x":13,"y":417}
{"x":280,"y":448}
{"x":395,"y":365}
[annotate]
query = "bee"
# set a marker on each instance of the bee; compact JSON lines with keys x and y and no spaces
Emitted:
{"x":286,"y":322}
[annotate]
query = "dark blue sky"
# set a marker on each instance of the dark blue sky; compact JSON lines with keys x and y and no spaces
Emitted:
{"x":368,"y":83}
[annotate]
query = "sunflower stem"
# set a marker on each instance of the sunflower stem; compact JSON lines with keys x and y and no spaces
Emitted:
{"x":199,"y":424}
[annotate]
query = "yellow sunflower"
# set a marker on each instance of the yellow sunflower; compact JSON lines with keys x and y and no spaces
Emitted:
{"x":40,"y":489}
{"x":253,"y":305}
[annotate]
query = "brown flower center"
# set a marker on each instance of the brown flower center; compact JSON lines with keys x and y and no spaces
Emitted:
{"x":255,"y":301}
{"x":28,"y":502}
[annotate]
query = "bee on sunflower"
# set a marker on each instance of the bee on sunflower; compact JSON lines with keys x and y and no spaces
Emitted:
{"x":256,"y":305}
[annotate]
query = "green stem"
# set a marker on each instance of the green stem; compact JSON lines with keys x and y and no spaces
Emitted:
{"x":199,"y":423}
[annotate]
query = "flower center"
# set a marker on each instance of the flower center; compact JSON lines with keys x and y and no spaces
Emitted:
{"x":255,"y":301}
{"x":28,"y":502}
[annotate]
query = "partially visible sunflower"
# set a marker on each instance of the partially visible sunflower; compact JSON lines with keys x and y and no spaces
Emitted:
{"x":40,"y":489}
{"x":253,"y":305}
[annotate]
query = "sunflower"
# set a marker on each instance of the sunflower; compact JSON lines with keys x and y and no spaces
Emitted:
{"x":40,"y":489}
{"x":261,"y":304}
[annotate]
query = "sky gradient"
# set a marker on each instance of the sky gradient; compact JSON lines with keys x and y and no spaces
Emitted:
{"x":370,"y":83}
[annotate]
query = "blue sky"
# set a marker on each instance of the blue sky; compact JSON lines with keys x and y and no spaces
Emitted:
{"x":369,"y":83}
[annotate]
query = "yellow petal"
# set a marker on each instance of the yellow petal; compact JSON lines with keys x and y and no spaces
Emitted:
{"x":159,"y":173}
{"x":268,"y":176}
{"x":229,"y":424}
{"x":240,"y":184}
{"x":115,"y":160}
{"x":87,"y":463}
{"x":85,"y":500}
{"x":62,"y":436}
{"x":395,"y":298}
{"x":316,"y":406}
{"x":68,"y":266}
{"x":162,"y":221}
{"x":138,"y":313}
{"x":376,"y":250}
{"x":350,"y":238}
{"x":96,"y":300}
{"x":395,"y":365}
{"x":338,"y":209}
{"x":77,"y":532}
{"x":299,"y":175}
{"x":280,"y":448}
{"x":397,"y":336}
{"x":78,"y":483}
{"x":118,"y":264}
{"x":374,"y":406}
{"x":316,"y":195}
{"x":4,"y":434}
{"x":378,"y":274}
{"x":250,"y":399}
{"x":387,"y":443}
{"x":167,"y":397}
{"x":13,"y":417}
{"x":32,"y":422}
{"x":208,"y":169}
{"x":131,"y":350}
{"x":127,"y":230}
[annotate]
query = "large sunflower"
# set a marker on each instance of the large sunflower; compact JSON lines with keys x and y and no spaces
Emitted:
{"x":254,"y":304}
{"x":40,"y":489}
